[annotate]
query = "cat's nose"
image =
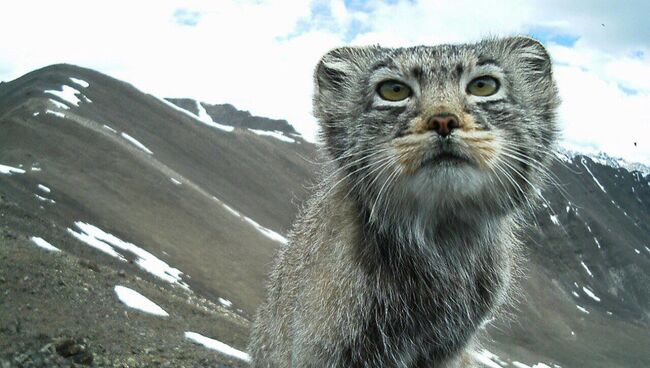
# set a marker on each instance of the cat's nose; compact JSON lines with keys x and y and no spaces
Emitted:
{"x":443,"y":123}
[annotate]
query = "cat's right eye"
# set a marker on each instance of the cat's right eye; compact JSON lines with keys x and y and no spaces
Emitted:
{"x":483,"y":86}
{"x":393,"y":90}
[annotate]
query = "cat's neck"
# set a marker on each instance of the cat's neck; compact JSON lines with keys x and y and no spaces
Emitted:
{"x":441,"y":242}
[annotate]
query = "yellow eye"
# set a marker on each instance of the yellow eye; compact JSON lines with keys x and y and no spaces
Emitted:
{"x":483,"y":86}
{"x":394,"y":91}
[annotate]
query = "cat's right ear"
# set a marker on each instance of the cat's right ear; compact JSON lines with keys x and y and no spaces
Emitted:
{"x":336,"y":67}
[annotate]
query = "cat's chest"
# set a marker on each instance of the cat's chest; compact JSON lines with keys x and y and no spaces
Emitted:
{"x":411,"y":320}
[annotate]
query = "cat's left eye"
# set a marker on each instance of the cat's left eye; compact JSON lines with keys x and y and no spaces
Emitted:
{"x":483,"y":86}
{"x":393,"y":90}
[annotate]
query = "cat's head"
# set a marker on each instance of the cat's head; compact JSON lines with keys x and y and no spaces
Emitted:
{"x":444,"y":127}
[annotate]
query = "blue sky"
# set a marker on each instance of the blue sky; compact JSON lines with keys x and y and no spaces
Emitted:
{"x":259,"y":55}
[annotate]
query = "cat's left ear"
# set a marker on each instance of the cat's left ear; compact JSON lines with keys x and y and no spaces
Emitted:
{"x":530,"y":54}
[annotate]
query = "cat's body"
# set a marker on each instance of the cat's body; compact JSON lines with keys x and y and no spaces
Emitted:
{"x":410,"y":242}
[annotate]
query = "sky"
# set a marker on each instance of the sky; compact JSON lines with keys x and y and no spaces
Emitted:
{"x":259,"y":55}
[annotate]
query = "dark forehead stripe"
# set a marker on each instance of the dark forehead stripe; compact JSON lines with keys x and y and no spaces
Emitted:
{"x":380,"y":65}
{"x":486,"y":61}
{"x":416,"y":71}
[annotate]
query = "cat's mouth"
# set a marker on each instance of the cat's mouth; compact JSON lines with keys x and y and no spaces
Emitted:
{"x":445,"y":159}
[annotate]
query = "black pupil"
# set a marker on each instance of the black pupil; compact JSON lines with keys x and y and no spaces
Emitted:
{"x":480,"y":84}
{"x":396,"y":88}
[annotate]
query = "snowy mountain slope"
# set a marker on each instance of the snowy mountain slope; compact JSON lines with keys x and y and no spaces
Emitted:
{"x":101,"y":157}
{"x":180,"y":200}
{"x":585,"y":293}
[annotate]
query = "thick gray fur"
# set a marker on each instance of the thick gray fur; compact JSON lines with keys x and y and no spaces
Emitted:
{"x":400,"y":256}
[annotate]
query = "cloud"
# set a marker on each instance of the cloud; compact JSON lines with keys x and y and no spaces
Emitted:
{"x":596,"y":115}
{"x":187,"y":17}
{"x":259,"y":55}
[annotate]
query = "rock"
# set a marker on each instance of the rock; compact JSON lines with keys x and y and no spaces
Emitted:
{"x":48,"y":348}
{"x":84,"y":358}
{"x":89,"y":264}
{"x":69,"y":347}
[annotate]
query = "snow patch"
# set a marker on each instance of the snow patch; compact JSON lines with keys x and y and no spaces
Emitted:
{"x":44,"y":199}
{"x":44,"y":188}
{"x":230,"y":209}
{"x":67,"y":93}
{"x":80,"y":82}
{"x":111,"y":129}
{"x":55,"y":113}
{"x":597,"y":242}
{"x":105,"y":242}
{"x":637,"y":251}
{"x":555,"y":220}
{"x":36,"y":113}
{"x":135,"y":300}
{"x":488,"y":358}
{"x":590,"y":294}
{"x":575,"y":294}
{"x":582,"y":309}
{"x":44,"y":244}
{"x":225,"y":302}
{"x":205,"y":118}
{"x":265,"y":231}
{"x":96,"y":243}
{"x":196,"y":117}
{"x":4,"y":169}
{"x":275,"y":134}
{"x":520,"y":365}
{"x":60,"y":105}
{"x":592,"y":175}
{"x":34,"y":168}
{"x":217,"y":345}
{"x":563,"y":157}
{"x":586,"y":268}
{"x":175,"y":181}
{"x":136,"y":143}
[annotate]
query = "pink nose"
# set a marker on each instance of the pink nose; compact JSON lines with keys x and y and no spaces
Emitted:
{"x":443,"y":123}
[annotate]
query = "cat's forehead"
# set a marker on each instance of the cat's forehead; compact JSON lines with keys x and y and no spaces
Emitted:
{"x":441,"y":57}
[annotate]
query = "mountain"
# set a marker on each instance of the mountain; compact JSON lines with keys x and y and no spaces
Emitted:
{"x":186,"y":203}
{"x":100,"y":154}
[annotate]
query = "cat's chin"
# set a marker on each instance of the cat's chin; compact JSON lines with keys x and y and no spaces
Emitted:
{"x":447,"y":180}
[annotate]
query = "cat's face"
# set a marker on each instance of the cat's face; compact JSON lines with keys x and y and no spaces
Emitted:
{"x":441,"y":126}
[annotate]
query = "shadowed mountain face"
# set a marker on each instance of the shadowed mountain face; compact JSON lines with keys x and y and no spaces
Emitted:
{"x":187,"y":203}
